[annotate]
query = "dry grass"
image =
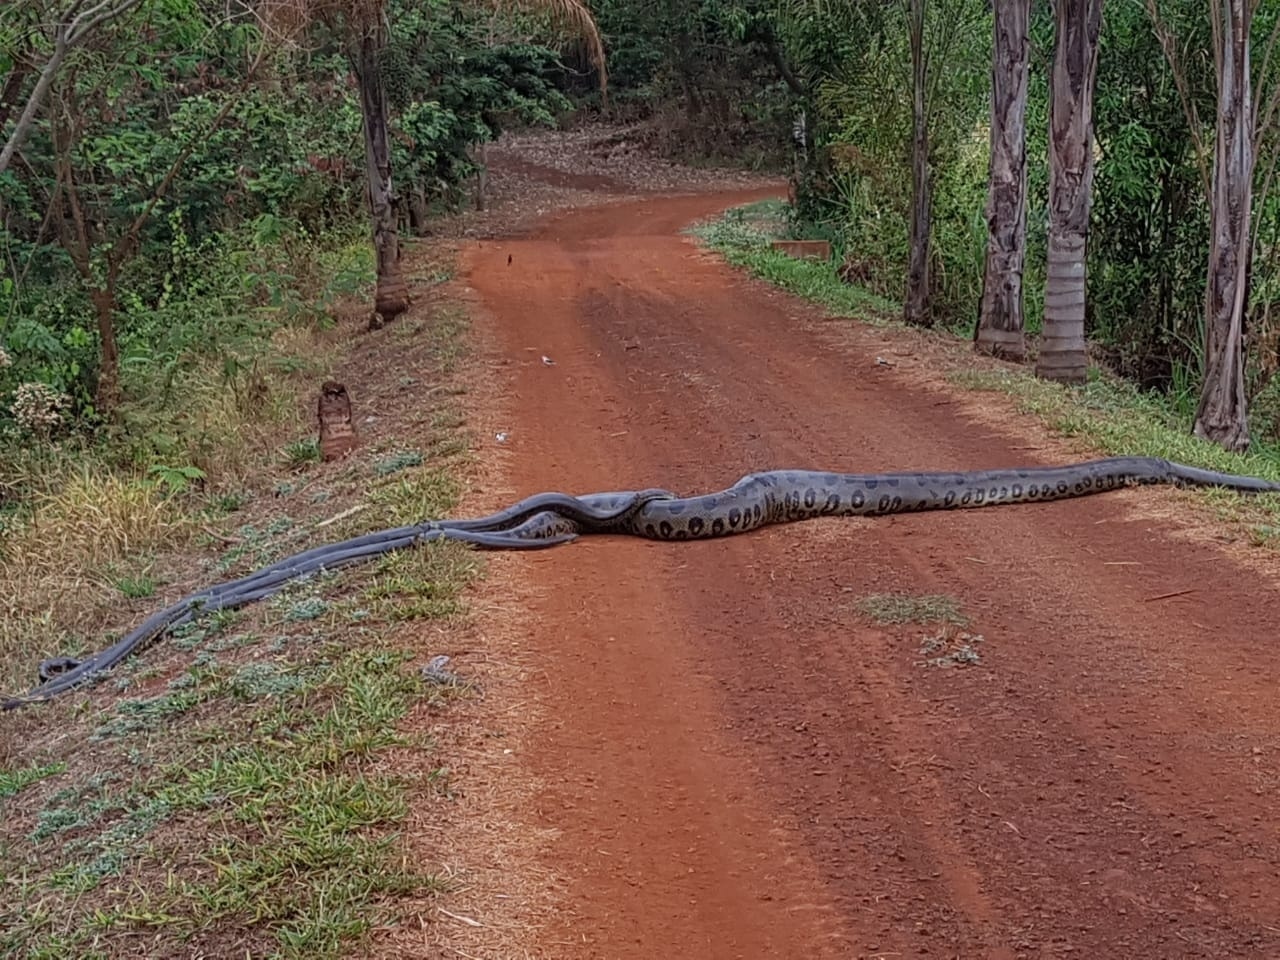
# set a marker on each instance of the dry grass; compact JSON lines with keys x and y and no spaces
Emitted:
{"x":96,"y":518}
{"x":282,"y":709}
{"x":90,"y":535}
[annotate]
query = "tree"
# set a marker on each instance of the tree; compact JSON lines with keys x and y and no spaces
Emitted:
{"x":1237,"y":185}
{"x":1222,"y":414}
{"x":916,"y":302}
{"x":1077,"y":23}
{"x":1000,"y":321}
{"x":70,"y":30}
{"x":391,"y":295}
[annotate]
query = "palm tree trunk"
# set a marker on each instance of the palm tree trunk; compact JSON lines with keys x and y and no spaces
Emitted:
{"x":1063,"y":356}
{"x":392,"y":295}
{"x":1223,"y":413}
{"x":1000,"y":320}
{"x":916,"y":303}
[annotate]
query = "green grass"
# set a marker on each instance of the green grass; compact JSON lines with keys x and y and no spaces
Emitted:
{"x":1107,"y":414}
{"x":276,"y":811}
{"x":233,"y":784}
{"x":301,"y":453}
{"x":742,"y":237}
{"x":12,"y":781}
{"x":893,"y":608}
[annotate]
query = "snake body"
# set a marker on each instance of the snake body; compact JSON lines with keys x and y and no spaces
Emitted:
{"x":756,"y":500}
{"x":787,"y":496}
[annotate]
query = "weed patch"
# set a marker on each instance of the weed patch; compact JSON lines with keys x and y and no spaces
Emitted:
{"x":894,"y":608}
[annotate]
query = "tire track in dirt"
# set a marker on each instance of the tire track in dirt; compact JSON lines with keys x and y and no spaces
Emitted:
{"x":743,"y":767}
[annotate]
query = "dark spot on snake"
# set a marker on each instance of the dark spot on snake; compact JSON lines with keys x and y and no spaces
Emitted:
{"x":832,"y":504}
{"x":735,"y":517}
{"x":1062,"y":486}
{"x":675,"y":509}
{"x":949,"y":499}
{"x":979,"y":496}
{"x":695,"y":525}
{"x":1017,"y":489}
{"x":665,"y":528}
{"x":717,"y":526}
{"x":857,"y":500}
{"x":883,"y":505}
{"x":896,"y":504}
{"x":810,"y":498}
{"x":682,"y":534}
{"x":650,"y":530}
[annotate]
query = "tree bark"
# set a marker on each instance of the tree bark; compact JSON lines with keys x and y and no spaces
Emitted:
{"x":1000,"y":320}
{"x":1063,"y":356}
{"x":1222,"y":414}
{"x":107,"y":395}
{"x":392,"y":294}
{"x":915,"y":308}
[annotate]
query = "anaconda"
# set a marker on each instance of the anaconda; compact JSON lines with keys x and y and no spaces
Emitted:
{"x":756,"y":500}
{"x":786,"y":496}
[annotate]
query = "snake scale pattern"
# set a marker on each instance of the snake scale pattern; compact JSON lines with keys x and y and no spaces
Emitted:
{"x":757,"y":500}
{"x":786,"y":496}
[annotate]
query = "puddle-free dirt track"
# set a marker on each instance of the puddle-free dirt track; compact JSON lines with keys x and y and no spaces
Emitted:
{"x":739,"y":764}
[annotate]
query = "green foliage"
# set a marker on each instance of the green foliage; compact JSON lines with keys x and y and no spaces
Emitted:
{"x":716,"y":62}
{"x":1148,"y":241}
{"x":194,"y":209}
{"x":743,"y":235}
{"x":1150,"y":231}
{"x":451,"y":87}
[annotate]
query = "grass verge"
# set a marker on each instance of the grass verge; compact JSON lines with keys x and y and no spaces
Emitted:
{"x":1107,"y":414}
{"x":230,"y":791}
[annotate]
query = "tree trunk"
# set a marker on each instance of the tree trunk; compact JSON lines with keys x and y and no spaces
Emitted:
{"x":1000,"y":320}
{"x":482,"y":177}
{"x":392,"y":296}
{"x":419,"y":220}
{"x":1063,"y":356}
{"x":107,"y":396}
{"x":916,"y":303}
{"x":1222,"y":415}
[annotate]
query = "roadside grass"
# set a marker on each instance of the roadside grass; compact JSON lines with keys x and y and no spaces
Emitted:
{"x":229,"y":791}
{"x":1107,"y":414}
{"x":742,"y":236}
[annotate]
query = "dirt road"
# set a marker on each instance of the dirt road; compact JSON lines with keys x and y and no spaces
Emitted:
{"x":737,"y":763}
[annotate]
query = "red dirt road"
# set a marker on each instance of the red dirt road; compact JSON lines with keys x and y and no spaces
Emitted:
{"x":741,"y":765}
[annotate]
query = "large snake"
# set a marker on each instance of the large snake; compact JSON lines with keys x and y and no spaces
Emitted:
{"x":757,"y":500}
